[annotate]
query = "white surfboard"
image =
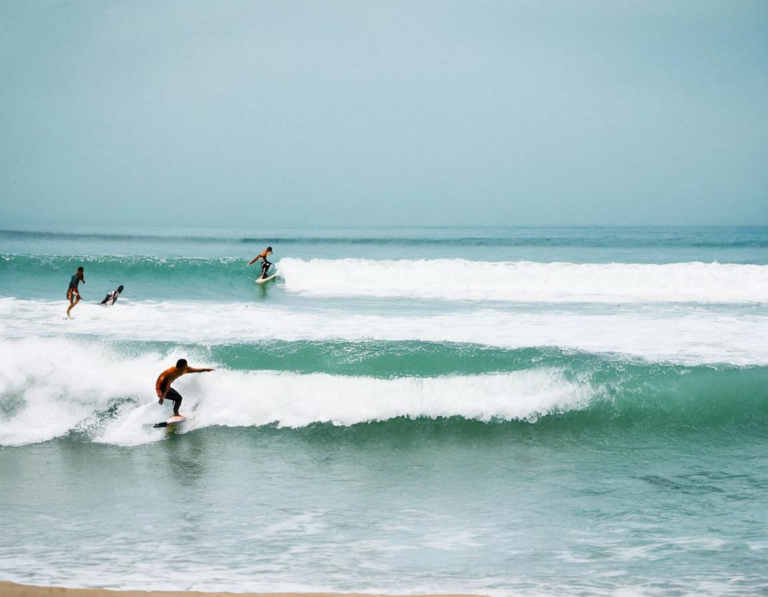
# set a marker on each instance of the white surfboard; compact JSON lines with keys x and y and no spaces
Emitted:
{"x":262,"y":280}
{"x":171,"y":421}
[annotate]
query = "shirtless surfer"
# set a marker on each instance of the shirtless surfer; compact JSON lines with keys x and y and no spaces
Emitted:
{"x":264,"y":266}
{"x":73,"y":292}
{"x":167,"y":377}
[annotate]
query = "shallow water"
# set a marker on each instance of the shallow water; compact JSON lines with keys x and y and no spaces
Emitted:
{"x":505,"y":411}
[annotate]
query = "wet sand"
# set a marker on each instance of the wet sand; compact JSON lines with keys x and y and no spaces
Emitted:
{"x":10,"y":589}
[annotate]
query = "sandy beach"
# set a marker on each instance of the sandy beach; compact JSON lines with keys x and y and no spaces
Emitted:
{"x":10,"y":589}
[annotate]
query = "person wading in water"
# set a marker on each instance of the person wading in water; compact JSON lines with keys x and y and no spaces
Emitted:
{"x":73,"y":292}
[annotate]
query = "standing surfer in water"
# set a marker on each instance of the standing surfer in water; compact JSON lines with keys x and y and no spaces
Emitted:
{"x":167,"y":377}
{"x":264,"y":266}
{"x":73,"y":292}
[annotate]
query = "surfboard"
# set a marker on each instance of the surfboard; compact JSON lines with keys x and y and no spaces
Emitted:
{"x":262,"y":280}
{"x":171,"y":421}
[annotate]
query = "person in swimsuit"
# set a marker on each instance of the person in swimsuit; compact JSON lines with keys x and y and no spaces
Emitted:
{"x":111,"y":297}
{"x":264,"y":266}
{"x":167,"y":377}
{"x":73,"y":292}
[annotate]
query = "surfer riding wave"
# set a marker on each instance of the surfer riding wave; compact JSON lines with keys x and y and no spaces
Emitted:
{"x":167,"y":377}
{"x":266,"y":264}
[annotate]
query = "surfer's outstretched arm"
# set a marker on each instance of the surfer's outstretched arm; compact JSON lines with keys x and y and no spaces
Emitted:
{"x":193,"y":370}
{"x":262,"y":255}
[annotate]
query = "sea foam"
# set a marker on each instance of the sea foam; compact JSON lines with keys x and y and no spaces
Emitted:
{"x":675,"y":333}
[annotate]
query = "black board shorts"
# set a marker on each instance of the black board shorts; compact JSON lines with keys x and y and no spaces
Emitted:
{"x":176,"y":397}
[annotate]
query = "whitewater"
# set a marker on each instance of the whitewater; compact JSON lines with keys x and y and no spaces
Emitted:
{"x":694,"y":335}
{"x":459,"y":279}
{"x":399,"y":410}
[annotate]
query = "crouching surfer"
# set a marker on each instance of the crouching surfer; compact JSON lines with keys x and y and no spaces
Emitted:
{"x":266,"y":264}
{"x":167,"y":377}
{"x":112,"y":296}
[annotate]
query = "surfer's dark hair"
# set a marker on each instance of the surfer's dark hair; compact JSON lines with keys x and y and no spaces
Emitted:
{"x":181,"y":363}
{"x":120,"y":288}
{"x":80,"y":269}
{"x":269,"y":248}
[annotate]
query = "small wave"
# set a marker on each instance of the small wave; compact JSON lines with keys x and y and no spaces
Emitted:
{"x":200,"y":277}
{"x":664,"y":333}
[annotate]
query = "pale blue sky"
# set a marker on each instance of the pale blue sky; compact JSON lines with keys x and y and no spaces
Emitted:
{"x":344,"y":113}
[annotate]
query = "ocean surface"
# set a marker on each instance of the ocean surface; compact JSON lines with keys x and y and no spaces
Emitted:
{"x":505,"y":411}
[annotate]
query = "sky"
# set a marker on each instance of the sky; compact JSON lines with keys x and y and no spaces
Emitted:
{"x":384,"y":113}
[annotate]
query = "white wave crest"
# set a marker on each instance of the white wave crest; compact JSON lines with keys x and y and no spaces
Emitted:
{"x":524,"y":281}
{"x":50,"y":387}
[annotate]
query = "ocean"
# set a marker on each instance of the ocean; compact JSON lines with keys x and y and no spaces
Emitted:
{"x":500,"y":411}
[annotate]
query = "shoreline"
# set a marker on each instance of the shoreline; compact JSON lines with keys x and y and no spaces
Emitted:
{"x":12,"y":589}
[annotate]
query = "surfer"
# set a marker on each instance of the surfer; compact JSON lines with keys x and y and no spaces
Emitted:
{"x":111,"y":297}
{"x":73,"y":292}
{"x":167,"y":377}
{"x":264,"y":266}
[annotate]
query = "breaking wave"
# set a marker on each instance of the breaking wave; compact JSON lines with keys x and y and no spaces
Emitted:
{"x":669,"y":333}
{"x":524,"y":281}
{"x":56,"y":387}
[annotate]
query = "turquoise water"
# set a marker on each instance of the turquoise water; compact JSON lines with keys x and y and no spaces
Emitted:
{"x":500,"y":411}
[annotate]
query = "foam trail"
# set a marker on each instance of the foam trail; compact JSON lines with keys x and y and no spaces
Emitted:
{"x":47,"y":396}
{"x":524,"y":281}
{"x":51,"y":387}
{"x":683,"y":334}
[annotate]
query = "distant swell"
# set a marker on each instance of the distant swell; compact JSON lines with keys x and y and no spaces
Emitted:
{"x":744,"y":237}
